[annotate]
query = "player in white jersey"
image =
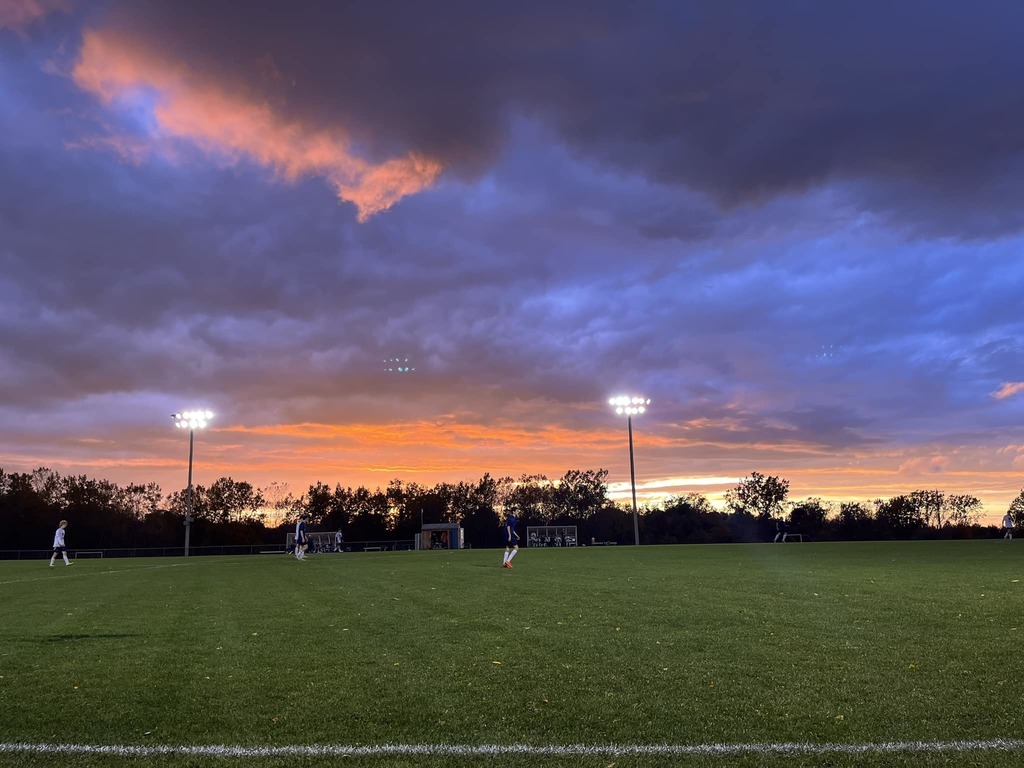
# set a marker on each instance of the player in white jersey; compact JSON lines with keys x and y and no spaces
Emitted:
{"x":58,"y":544}
{"x":1008,"y":526}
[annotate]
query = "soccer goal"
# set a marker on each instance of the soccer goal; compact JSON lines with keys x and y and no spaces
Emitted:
{"x":318,"y":542}
{"x":87,"y":553}
{"x":551,"y":536}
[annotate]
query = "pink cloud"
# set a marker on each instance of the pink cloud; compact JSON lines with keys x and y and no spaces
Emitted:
{"x":1008,"y":389}
{"x":187,"y":106}
{"x":18,"y":14}
{"x":924,"y":465}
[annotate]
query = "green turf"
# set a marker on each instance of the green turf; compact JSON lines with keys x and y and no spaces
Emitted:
{"x":815,"y":643}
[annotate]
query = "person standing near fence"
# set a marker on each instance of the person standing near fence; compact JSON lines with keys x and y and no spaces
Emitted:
{"x":511,"y":540}
{"x":338,"y":541}
{"x":58,"y":544}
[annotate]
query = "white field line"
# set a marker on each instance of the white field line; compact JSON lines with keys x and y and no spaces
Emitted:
{"x":498,"y":750}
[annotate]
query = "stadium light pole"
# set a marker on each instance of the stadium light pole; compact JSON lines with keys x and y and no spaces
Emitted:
{"x":190,"y":420}
{"x":631,"y":406}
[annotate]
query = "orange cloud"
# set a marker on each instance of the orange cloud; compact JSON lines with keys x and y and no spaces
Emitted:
{"x":436,"y":436}
{"x":1008,"y":389}
{"x":187,"y":106}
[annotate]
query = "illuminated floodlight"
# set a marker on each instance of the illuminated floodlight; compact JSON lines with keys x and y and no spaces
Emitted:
{"x":197,"y":419}
{"x":625,"y":405}
{"x":191,"y":420}
{"x":630,"y":406}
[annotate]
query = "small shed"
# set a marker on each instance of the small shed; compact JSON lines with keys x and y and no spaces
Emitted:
{"x":441,"y":536}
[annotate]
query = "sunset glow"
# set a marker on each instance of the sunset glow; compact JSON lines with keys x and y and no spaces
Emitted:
{"x":439,"y":244}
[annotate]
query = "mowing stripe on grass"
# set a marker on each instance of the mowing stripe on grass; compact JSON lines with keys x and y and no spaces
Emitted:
{"x":86,"y":572}
{"x":497,"y":750}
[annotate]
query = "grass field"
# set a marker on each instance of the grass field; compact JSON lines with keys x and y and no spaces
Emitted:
{"x":853,"y":645}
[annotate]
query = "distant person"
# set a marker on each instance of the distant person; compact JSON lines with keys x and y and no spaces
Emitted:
{"x":301,"y":542}
{"x":780,"y":526}
{"x":1007,"y":526}
{"x":511,"y":540}
{"x":58,"y":544}
{"x":338,"y":541}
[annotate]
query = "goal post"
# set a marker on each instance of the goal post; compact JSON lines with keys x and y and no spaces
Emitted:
{"x":87,"y":553}
{"x":551,"y":536}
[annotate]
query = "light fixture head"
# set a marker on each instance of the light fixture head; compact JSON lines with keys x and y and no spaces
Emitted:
{"x":629,"y":405}
{"x":197,"y":419}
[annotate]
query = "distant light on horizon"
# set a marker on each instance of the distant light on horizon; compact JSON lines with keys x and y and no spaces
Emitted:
{"x":398,"y":365}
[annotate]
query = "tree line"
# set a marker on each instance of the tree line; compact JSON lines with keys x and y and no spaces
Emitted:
{"x":105,"y":515}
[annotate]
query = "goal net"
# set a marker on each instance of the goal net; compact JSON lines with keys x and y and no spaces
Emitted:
{"x":551,"y":536}
{"x":318,"y":542}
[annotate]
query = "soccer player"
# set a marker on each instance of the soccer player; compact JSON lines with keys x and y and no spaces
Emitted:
{"x":300,"y":538}
{"x":511,"y":540}
{"x":338,"y":541}
{"x":1008,"y":526}
{"x":780,"y":526}
{"x":58,"y":544}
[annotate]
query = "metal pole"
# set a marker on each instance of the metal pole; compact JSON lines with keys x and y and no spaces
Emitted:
{"x":188,"y":509}
{"x":632,"y":481}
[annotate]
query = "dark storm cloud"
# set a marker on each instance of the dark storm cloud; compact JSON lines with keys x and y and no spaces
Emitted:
{"x":743,"y":100}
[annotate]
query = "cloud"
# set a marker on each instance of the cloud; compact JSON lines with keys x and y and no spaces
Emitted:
{"x":19,"y":14}
{"x":916,"y":109}
{"x":1008,"y":389}
{"x":924,"y":465}
{"x":187,"y":106}
{"x":614,"y":215}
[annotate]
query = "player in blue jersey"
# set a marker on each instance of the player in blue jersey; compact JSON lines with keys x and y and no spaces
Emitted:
{"x":511,"y":540}
{"x":300,"y":538}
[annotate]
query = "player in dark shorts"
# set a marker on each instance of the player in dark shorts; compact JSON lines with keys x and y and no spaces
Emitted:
{"x":58,"y":545}
{"x":511,"y":540}
{"x":301,"y":542}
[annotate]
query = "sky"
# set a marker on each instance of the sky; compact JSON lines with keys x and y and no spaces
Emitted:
{"x":795,"y":226}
